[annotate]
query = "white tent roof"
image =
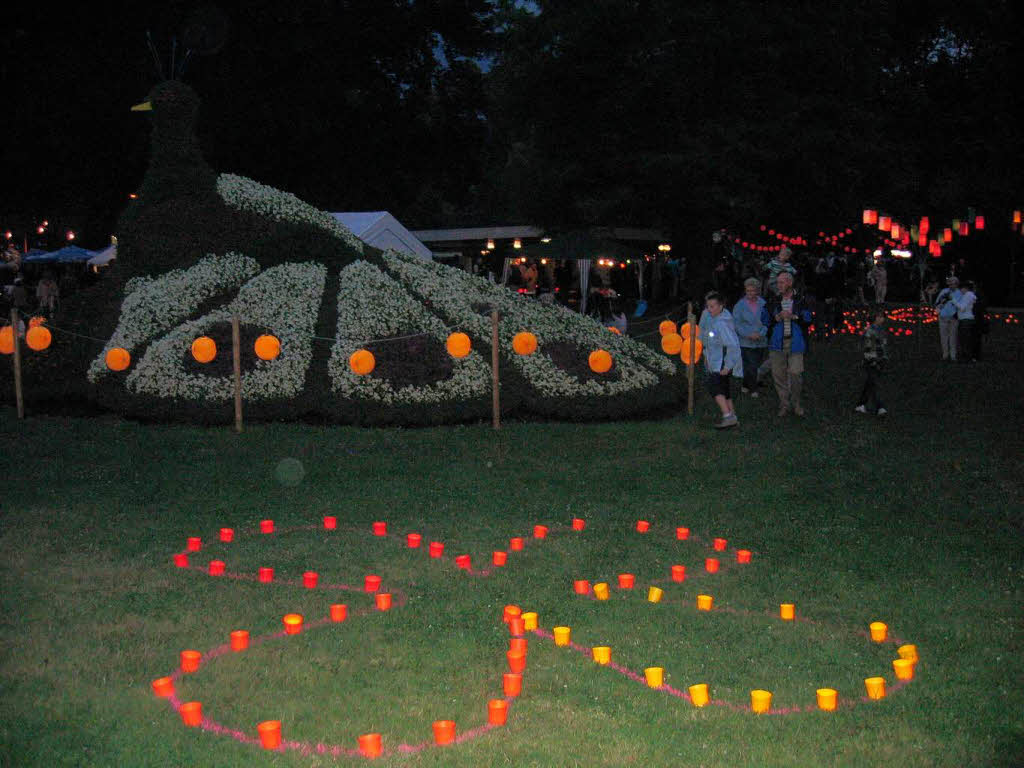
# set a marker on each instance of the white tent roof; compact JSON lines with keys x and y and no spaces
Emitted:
{"x":382,"y":230}
{"x":103,"y":257}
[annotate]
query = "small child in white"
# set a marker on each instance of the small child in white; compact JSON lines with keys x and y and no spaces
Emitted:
{"x":874,"y":356}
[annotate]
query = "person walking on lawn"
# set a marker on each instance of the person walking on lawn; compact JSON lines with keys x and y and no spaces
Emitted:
{"x":874,"y":356}
{"x":787,"y":318}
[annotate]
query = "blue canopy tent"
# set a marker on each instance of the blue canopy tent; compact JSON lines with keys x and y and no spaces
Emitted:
{"x":72,"y":253}
{"x":37,"y":256}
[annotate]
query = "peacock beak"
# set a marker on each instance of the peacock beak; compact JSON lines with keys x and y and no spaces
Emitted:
{"x":146,"y":106}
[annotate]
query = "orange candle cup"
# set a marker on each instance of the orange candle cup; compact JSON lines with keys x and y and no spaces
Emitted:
{"x":463,"y":562}
{"x":190,"y":661}
{"x":875,"y":687}
{"x":436,"y":549}
{"x":310,"y":579}
{"x":330,"y":522}
{"x":217,"y":567}
{"x":711,"y":564}
{"x":516,"y":544}
{"x":529,"y":621}
{"x":705,"y":602}
{"x":678,"y":573}
{"x":191,"y":713}
{"x":602,"y":654}
{"x":581,"y":587}
{"x":626,"y":580}
{"x":562,"y":635}
{"x":193,"y":544}
{"x":654,"y":594}
{"x":380,"y":528}
{"x":382,"y":601}
{"x":413,"y":540}
{"x":699,"y":694}
{"x":512,"y":683}
{"x":181,"y":560}
{"x":516,"y":661}
{"x":518,"y":644}
{"x":787,"y":611}
{"x":292,"y":623}
{"x":540,"y":531}
{"x":371,"y":583}
{"x":266,"y":526}
{"x":510,"y":612}
{"x":908,"y":652}
{"x":497,"y":712}
{"x":266,"y":575}
{"x":227,"y":535}
{"x":760,"y":701}
{"x":879,"y":631}
{"x":499,"y":558}
{"x":578,"y":524}
{"x":742,"y":555}
{"x":682,"y":534}
{"x":516,"y":626}
{"x":719,"y":545}
{"x":339,"y":612}
{"x":163,"y":687}
{"x":239,"y":640}
{"x":371,"y":745}
{"x":601,"y":591}
{"x":904,"y":669}
{"x":270,"y":734}
{"x":828,"y":699}
{"x":642,"y":526}
{"x":655,"y":677}
{"x":444,"y":732}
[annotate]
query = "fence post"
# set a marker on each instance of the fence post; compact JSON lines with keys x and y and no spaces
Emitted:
{"x":693,"y":350}
{"x":19,"y":397}
{"x":495,"y":382}
{"x":236,"y":355}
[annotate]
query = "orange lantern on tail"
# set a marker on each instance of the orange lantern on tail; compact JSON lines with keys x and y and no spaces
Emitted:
{"x":600,"y":361}
{"x":665,"y":327}
{"x":267,"y":347}
{"x":458,"y":345}
{"x":7,"y":340}
{"x":38,"y":338}
{"x":37,"y":320}
{"x":118,"y":358}
{"x":204,"y":349}
{"x":362,"y":362}
{"x":671,"y":343}
{"x":524,"y":343}
{"x":698,"y":350}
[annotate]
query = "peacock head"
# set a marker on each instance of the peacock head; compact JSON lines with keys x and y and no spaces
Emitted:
{"x":174,"y":106}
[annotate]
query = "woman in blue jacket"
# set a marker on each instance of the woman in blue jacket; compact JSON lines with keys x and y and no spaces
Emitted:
{"x":752,"y":332}
{"x":721,"y":355}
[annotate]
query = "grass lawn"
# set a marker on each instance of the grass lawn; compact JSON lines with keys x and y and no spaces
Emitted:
{"x":914,"y":520}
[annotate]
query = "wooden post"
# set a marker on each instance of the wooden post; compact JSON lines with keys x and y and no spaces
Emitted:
{"x":495,"y":382}
{"x":236,"y":358}
{"x":693,"y":351}
{"x":19,"y":397}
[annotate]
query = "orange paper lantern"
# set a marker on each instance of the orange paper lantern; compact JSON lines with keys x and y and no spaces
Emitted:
{"x":671,"y":343}
{"x":870,"y":216}
{"x":666,"y":327}
{"x":979,"y":222}
{"x":600,"y":361}
{"x":267,"y":347}
{"x":37,"y":320}
{"x":524,"y":343}
{"x":458,"y":345}
{"x":362,"y":362}
{"x":38,"y":338}
{"x":884,"y":223}
{"x":614,"y":330}
{"x":204,"y":349}
{"x":698,"y":349}
{"x":689,"y":328}
{"x":7,"y":340}
{"x":118,"y":358}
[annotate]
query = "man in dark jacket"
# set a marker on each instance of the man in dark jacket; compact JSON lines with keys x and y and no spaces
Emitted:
{"x":787,"y":317}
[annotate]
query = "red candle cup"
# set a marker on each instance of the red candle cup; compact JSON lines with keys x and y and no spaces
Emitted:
{"x":191,"y":713}
{"x":463,"y":562}
{"x":497,"y":712}
{"x":227,"y":535}
{"x":742,"y":555}
{"x":581,"y":587}
{"x":310,"y":579}
{"x":512,"y":683}
{"x":217,"y":567}
{"x":292,"y":623}
{"x":436,"y":549}
{"x":339,"y":612}
{"x":193,"y":544}
{"x":642,"y":526}
{"x":190,"y":661}
{"x":181,"y":560}
{"x":371,"y":583}
{"x":510,"y":612}
{"x":330,"y":522}
{"x":719,"y":545}
{"x":516,"y":626}
{"x":518,"y":644}
{"x":380,"y":528}
{"x":163,"y":687}
{"x":516,"y":661}
{"x":500,"y":558}
{"x":370,"y":745}
{"x":266,"y":575}
{"x":711,"y":564}
{"x":540,"y":531}
{"x":516,"y":544}
{"x":270,"y":734}
{"x":413,"y":540}
{"x":383,"y":601}
{"x":444,"y":732}
{"x":239,"y":640}
{"x":626,"y":580}
{"x":682,"y":533}
{"x":266,"y":526}
{"x":578,"y":523}
{"x":678,"y":573}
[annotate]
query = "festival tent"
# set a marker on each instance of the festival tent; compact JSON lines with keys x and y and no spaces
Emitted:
{"x":71,"y":253}
{"x":104,"y":257}
{"x":382,"y":230}
{"x":37,"y":256}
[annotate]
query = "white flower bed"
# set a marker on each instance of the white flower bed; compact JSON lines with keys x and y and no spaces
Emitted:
{"x":284,"y":299}
{"x":454,"y":293}
{"x":372,"y":305}
{"x":155,"y":305}
{"x":249,"y":195}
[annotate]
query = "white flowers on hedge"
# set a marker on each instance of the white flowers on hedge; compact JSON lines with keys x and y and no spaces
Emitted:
{"x":153,"y":305}
{"x":249,"y":195}
{"x":372,"y":305}
{"x":284,"y":299}
{"x":454,"y":293}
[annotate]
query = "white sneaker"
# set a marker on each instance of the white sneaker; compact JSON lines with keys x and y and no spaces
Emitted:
{"x":861,"y":409}
{"x":882,"y":411}
{"x":755,"y":393}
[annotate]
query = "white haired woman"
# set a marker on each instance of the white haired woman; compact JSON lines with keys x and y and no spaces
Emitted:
{"x":752,"y":333}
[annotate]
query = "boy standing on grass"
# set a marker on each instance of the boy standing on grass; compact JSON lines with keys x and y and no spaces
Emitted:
{"x":874,"y":355}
